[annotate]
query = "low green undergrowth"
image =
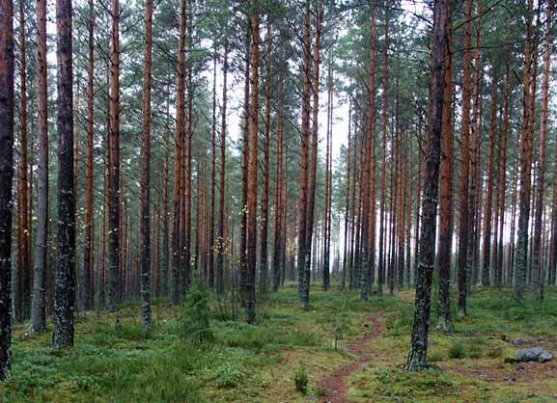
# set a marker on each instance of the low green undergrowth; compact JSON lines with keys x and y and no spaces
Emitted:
{"x":193,"y":353}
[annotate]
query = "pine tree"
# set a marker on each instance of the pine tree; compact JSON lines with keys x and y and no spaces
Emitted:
{"x":6,"y":176}
{"x":417,"y":356}
{"x":64,"y":292}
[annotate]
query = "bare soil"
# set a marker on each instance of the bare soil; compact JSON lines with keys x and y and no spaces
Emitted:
{"x":335,"y":385}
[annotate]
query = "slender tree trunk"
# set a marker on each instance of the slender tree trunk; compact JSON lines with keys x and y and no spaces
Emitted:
{"x":6,"y":176}
{"x":64,"y":291}
{"x":474,"y":193}
{"x":144,"y":207}
{"x":444,"y":246}
{"x":312,"y":182}
{"x":417,"y":356}
{"x":245,"y":177}
{"x":368,"y":222}
{"x":345,"y":260}
{"x":186,"y":261}
{"x":38,"y":315}
{"x":278,"y":202}
{"x":526,"y":148}
{"x":328,"y":184}
{"x":384,"y":126}
{"x":418,"y":201}
{"x":263,"y":243}
{"x":114,"y":227}
{"x":23,"y":269}
{"x":464,"y":166}
{"x":303,"y":247}
{"x":219,"y":275}
{"x":252,"y":166}
{"x":89,"y":127}
{"x":165,"y":227}
{"x":503,"y":175}
{"x":537,"y":264}
{"x":179,"y":157}
{"x":486,"y":261}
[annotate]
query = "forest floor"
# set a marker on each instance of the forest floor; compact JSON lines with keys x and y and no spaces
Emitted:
{"x":349,"y":351}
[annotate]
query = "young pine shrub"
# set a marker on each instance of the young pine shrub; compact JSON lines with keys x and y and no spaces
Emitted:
{"x":195,"y":317}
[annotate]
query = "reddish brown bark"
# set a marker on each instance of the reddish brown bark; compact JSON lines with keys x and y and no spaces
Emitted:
{"x":252,"y":166}
{"x":114,"y":236}
{"x":23,"y":299}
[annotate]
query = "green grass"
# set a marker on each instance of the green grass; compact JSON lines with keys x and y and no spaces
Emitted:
{"x":261,"y":362}
{"x":470,"y":362}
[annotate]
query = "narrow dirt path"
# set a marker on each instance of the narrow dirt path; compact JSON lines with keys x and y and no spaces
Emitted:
{"x":335,"y":384}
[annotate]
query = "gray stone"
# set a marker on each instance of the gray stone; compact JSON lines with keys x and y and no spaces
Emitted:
{"x":533,"y":354}
{"x":520,"y":342}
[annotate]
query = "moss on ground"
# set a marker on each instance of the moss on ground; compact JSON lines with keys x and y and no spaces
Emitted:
{"x":258,"y":363}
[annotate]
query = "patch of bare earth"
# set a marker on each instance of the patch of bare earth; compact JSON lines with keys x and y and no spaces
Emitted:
{"x":527,"y":373}
{"x":335,"y":385}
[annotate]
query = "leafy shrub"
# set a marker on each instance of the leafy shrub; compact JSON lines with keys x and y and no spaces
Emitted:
{"x":301,"y":380}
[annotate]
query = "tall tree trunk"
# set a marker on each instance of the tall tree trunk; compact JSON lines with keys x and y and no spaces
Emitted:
{"x":211,"y":251}
{"x":384,"y":126}
{"x":368,"y":222}
{"x":464,"y":165}
{"x":252,"y":165}
{"x":186,"y":260}
{"x":144,"y":206}
{"x":474,"y":193}
{"x":114,"y":227}
{"x":263,"y":243}
{"x":303,"y":247}
{"x":312,"y":182}
{"x":245,"y":177}
{"x":89,"y":127}
{"x":219,"y":275}
{"x":165,"y":226}
{"x":64,"y":291}
{"x":444,"y":246}
{"x":347,"y":219}
{"x":23,"y":268}
{"x":417,"y":356}
{"x":526,"y":153}
{"x":537,"y":264}
{"x":328,"y":179}
{"x":486,"y":260}
{"x":6,"y":175}
{"x":417,"y":215}
{"x":179,"y":157}
{"x":88,"y":256}
{"x":38,"y":315}
{"x":503,"y":174}
{"x":278,"y":202}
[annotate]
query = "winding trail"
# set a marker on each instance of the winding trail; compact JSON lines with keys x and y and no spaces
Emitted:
{"x":335,"y":384}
